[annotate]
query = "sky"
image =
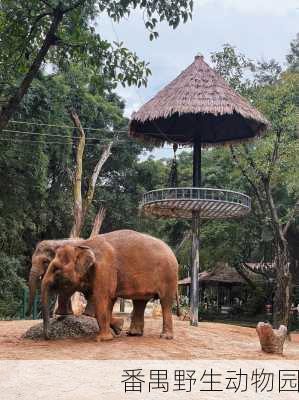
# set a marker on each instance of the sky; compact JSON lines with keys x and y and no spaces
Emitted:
{"x":260,"y":29}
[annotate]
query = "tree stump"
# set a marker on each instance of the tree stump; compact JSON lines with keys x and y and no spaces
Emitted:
{"x":157,"y":310}
{"x":185,"y":315}
{"x":271,"y":340}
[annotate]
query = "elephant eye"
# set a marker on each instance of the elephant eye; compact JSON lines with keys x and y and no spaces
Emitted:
{"x":55,"y":269}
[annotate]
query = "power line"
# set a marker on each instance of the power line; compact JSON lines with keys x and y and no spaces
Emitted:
{"x":54,"y":135}
{"x":44,"y":142}
{"x":65,"y":126}
{"x":116,"y":144}
{"x":99,"y":140}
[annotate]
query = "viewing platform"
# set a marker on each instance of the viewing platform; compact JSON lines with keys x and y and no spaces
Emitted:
{"x":181,"y":202}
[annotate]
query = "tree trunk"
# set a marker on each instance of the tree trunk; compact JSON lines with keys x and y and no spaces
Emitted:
{"x":282,"y":297}
{"x":77,"y":189}
{"x":81,"y":206}
{"x":271,"y":340}
{"x":9,"y":109}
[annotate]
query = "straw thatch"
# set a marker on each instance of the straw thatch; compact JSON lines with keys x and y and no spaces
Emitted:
{"x":198,"y":102}
{"x":222,"y":273}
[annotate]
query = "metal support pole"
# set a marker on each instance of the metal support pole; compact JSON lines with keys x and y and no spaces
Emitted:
{"x":197,"y":162}
{"x":195,"y":268}
{"x":122,"y":305}
{"x":194,"y":295}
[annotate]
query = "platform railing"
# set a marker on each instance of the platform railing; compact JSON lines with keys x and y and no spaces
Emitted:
{"x":191,"y":193}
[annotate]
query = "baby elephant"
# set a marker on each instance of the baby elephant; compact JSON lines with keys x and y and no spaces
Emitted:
{"x":122,"y":263}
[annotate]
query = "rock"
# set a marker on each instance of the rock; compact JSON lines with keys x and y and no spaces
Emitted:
{"x":157,"y":310}
{"x":185,"y":315}
{"x":272,"y":340}
{"x":65,"y":327}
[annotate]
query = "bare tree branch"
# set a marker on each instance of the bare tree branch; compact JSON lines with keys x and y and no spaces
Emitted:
{"x":98,"y":222}
{"x":77,"y":187}
{"x":81,"y":207}
{"x":93,"y":180}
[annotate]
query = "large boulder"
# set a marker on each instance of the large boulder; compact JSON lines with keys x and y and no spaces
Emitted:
{"x":70,"y":326}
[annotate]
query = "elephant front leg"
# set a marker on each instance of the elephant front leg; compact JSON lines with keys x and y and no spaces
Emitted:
{"x":89,"y":309}
{"x":64,"y":305}
{"x":116,"y":323}
{"x":137,"y":318}
{"x":103,"y":316}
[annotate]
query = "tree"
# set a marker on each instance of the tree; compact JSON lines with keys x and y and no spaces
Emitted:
{"x":81,"y":206}
{"x":267,"y":168}
{"x":293,"y":56}
{"x":64,"y":32}
{"x":37,"y":162}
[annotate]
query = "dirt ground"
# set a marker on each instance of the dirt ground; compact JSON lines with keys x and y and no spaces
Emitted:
{"x":208,"y":341}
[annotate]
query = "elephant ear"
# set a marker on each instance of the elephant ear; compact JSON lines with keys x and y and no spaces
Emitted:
{"x":85,"y":258}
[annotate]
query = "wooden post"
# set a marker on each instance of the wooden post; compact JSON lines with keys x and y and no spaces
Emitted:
{"x":194,"y":295}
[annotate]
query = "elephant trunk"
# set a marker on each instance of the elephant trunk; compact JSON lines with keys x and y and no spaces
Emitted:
{"x":32,"y":283}
{"x":45,"y":308}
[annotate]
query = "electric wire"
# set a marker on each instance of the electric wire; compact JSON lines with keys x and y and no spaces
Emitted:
{"x":66,"y":126}
{"x":116,"y":144}
{"x":55,"y":135}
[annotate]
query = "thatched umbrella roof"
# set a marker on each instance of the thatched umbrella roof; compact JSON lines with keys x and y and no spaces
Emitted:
{"x":198,"y":102}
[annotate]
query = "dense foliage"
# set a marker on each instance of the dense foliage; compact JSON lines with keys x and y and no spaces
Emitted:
{"x":66,"y":32}
{"x":36,"y":169}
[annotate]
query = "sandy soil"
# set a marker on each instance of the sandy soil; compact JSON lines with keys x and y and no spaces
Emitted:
{"x":208,"y":341}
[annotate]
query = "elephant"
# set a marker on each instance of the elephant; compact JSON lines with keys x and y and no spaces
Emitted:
{"x":41,"y":258}
{"x":122,"y":263}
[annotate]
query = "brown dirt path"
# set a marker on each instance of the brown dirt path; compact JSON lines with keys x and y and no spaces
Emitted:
{"x":208,"y":341}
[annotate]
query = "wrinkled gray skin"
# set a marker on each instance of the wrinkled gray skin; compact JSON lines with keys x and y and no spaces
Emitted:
{"x":41,"y":258}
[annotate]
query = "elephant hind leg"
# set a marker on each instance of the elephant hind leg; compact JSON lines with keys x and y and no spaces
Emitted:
{"x":137,"y":318}
{"x":167,"y":331}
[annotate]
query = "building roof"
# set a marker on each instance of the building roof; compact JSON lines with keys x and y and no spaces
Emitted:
{"x":222,"y":273}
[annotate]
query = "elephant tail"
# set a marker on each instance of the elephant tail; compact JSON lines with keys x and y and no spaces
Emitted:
{"x":177,"y":297}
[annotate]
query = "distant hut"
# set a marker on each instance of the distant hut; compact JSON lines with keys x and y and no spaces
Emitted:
{"x":220,"y":286}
